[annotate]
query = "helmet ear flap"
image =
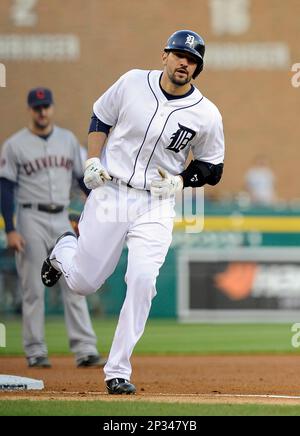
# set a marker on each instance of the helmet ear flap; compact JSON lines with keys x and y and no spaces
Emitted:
{"x":198,"y":69}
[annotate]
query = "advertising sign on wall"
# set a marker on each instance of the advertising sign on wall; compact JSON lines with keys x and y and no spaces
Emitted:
{"x":243,"y":284}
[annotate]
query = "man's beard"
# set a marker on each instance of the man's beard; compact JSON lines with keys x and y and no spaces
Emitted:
{"x":39,"y":126}
{"x":177,"y":82}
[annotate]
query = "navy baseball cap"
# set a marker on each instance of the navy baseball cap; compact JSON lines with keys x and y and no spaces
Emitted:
{"x":39,"y":97}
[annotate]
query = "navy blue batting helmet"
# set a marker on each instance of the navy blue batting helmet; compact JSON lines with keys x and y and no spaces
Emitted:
{"x":190,"y":42}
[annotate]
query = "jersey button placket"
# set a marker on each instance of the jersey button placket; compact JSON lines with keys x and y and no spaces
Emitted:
{"x":159,"y":126}
{"x":47,"y":155}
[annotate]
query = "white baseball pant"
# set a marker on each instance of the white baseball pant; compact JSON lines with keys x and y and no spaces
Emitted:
{"x":115,"y":215}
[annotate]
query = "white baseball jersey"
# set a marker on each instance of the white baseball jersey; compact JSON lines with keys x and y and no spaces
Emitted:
{"x":152,"y":131}
{"x":148,"y":131}
{"x":41,"y":168}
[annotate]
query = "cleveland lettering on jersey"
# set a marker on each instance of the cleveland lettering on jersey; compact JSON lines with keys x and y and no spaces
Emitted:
{"x":26,"y":159}
{"x":42,"y":163}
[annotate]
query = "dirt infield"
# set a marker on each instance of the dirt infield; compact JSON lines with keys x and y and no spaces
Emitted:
{"x":225,"y":379}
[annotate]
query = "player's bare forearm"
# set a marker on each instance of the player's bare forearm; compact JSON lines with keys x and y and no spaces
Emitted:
{"x":96,"y":142}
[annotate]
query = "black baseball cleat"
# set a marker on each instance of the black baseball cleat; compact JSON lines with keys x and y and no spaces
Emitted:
{"x":49,"y":274}
{"x":120,"y":386}
{"x":90,"y":361}
{"x":38,"y":362}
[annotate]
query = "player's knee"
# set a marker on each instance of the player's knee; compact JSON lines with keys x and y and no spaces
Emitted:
{"x":82,"y":289}
{"x":33,"y":296}
{"x":144,"y":280}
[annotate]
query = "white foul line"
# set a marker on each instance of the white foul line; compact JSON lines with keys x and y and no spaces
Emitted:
{"x":278,"y":397}
{"x":213,"y":395}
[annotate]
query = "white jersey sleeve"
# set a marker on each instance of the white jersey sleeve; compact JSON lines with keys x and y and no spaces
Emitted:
{"x":210,"y":147}
{"x":107,"y":107}
{"x":9,"y":162}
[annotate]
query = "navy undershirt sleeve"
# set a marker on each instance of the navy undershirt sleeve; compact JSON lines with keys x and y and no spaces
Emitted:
{"x":7,"y":203}
{"x":82,"y":186}
{"x":98,"y":125}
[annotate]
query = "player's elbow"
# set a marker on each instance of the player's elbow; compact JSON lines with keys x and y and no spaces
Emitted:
{"x":214,"y":181}
{"x":216,"y":175}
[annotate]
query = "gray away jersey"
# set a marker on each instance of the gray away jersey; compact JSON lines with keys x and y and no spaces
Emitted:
{"x":42,"y":169}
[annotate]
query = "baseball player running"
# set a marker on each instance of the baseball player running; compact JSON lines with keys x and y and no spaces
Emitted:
{"x":37,"y":165}
{"x":157,"y":117}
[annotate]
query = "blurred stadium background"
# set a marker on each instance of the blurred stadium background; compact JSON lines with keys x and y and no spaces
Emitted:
{"x":245,"y":264}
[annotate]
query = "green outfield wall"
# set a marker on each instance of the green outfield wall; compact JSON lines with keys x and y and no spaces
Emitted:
{"x":226,"y":226}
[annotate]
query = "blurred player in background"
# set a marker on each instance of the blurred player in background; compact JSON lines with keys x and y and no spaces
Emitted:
{"x":260,"y":182}
{"x":37,"y":166}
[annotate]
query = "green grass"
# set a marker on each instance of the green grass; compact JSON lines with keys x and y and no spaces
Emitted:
{"x":169,"y":337}
{"x":161,"y":337}
{"x":98,"y":408}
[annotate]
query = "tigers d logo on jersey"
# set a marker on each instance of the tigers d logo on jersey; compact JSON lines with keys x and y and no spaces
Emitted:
{"x":181,"y":138}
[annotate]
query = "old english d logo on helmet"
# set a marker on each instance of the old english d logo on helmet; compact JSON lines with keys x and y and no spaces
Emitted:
{"x":190,"y":42}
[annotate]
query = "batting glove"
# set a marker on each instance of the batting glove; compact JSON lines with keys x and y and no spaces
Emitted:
{"x":95,"y":174}
{"x":167,"y":186}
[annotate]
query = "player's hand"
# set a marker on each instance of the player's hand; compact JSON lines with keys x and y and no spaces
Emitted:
{"x":95,"y":174}
{"x":16,"y":241}
{"x":167,"y":186}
